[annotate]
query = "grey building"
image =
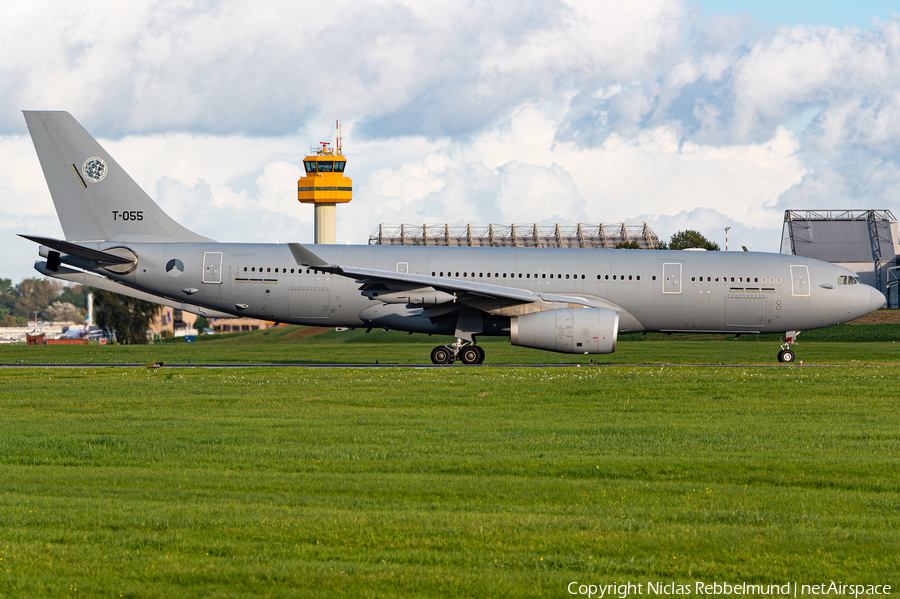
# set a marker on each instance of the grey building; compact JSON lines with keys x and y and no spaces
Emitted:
{"x":865,"y":241}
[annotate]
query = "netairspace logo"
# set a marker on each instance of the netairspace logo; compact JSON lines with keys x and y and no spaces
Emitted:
{"x":718,"y":589}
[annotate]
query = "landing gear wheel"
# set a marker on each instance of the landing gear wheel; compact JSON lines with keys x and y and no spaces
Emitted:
{"x":441,"y":355}
{"x":480,"y":355}
{"x":785,"y":355}
{"x":471,"y":354}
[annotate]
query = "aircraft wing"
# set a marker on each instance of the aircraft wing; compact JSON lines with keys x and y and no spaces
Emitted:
{"x":467,"y":292}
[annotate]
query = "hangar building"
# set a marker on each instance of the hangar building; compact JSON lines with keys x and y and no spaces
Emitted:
{"x":865,"y":241}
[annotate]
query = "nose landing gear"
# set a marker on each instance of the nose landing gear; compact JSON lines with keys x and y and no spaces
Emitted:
{"x":787,"y":354}
{"x":464,"y":351}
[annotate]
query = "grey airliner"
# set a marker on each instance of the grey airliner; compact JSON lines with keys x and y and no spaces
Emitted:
{"x":562,"y":300}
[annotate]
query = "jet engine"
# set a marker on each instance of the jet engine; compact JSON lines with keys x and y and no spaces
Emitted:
{"x":567,"y":330}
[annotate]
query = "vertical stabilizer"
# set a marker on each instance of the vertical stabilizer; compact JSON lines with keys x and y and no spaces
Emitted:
{"x":95,"y":199}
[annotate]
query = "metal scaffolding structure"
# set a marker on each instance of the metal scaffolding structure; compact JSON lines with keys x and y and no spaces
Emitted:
{"x":592,"y":236}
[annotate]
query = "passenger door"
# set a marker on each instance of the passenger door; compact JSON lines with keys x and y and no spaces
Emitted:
{"x":799,"y":280}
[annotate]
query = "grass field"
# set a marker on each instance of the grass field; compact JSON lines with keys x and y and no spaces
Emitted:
{"x":846,"y":344}
{"x":444,"y":482}
{"x":456,"y":481}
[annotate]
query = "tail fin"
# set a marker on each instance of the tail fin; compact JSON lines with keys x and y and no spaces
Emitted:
{"x":95,"y":199}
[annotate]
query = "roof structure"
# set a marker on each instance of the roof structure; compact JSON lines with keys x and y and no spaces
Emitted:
{"x":840,"y":235}
{"x":595,"y":236}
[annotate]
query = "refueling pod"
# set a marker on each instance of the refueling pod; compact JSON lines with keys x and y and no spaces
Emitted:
{"x":567,"y":330}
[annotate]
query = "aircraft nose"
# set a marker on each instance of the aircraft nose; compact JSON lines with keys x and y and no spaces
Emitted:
{"x":876,"y":299}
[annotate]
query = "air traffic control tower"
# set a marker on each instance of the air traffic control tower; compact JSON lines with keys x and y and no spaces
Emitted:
{"x":325,"y":186}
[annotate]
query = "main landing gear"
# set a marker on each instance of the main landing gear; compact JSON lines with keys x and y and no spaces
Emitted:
{"x":787,"y":354}
{"x":464,"y":351}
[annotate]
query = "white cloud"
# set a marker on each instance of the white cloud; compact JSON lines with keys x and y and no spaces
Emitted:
{"x":456,"y":112}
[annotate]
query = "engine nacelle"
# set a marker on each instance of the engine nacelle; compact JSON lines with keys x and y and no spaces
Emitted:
{"x":567,"y":330}
{"x":423,"y":296}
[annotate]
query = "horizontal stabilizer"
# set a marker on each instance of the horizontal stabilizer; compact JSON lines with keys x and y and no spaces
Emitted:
{"x":73,"y":249}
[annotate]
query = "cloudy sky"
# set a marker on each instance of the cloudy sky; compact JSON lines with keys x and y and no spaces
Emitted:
{"x":679,"y":114}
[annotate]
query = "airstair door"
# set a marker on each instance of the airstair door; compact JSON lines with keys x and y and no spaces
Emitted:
{"x":672,"y":277}
{"x":212,"y":267}
{"x":799,"y":280}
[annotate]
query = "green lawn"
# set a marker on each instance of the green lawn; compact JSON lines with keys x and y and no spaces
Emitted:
{"x":846,"y":344}
{"x":444,"y":482}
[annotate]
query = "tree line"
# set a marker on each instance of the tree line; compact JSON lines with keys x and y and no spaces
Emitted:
{"x":50,"y":299}
{"x":682,"y":240}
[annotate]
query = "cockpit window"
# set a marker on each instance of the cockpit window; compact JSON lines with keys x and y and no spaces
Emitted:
{"x":848,"y":280}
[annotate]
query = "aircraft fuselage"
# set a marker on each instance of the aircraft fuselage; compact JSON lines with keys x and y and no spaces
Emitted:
{"x":693,"y":291}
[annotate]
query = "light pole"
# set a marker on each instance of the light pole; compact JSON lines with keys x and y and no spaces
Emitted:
{"x":726,"y":238}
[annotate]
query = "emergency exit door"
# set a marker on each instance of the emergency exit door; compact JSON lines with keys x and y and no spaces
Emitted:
{"x":672,"y":277}
{"x":212,"y":267}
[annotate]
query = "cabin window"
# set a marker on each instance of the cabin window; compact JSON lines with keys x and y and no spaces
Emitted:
{"x":245,"y":269}
{"x":481,"y":274}
{"x":629,"y":277}
{"x":504,"y":275}
{"x":464,"y":274}
{"x":582,"y":276}
{"x":693,"y":278}
{"x":614,"y":277}
{"x":253,"y":269}
{"x":717,"y":279}
{"x":606,"y":277}
{"x":520,"y":275}
{"x":653,"y":278}
{"x":756,"y":280}
{"x":544,"y":276}
{"x":639,"y":277}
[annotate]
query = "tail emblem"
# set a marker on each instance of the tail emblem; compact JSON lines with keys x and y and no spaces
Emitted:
{"x":94,"y":169}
